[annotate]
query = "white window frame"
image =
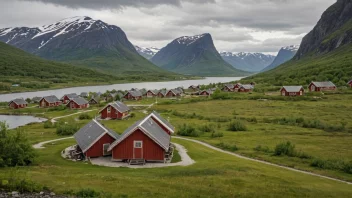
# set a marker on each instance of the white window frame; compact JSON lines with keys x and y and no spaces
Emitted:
{"x":137,"y":141}
{"x":108,"y":109}
{"x":108,"y":153}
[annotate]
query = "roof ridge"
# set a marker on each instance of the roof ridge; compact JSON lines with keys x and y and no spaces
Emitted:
{"x":106,"y":130}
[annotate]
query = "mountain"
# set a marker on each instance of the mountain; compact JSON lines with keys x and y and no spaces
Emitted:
{"x":82,"y":41}
{"x":285,"y":54}
{"x":252,"y":62}
{"x":324,"y":54}
{"x":195,"y":55}
{"x":147,"y":52}
{"x":32,"y":72}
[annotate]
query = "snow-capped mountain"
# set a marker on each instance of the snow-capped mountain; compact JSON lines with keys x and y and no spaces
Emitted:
{"x":81,"y":40}
{"x":285,"y":54}
{"x":147,"y":52}
{"x":252,"y":62}
{"x":195,"y":55}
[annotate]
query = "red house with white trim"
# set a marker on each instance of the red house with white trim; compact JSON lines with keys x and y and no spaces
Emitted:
{"x":322,"y":86}
{"x":18,"y":103}
{"x":49,"y":101}
{"x":94,"y":139}
{"x":292,"y":91}
{"x":68,"y":97}
{"x":115,"y":110}
{"x":78,"y":103}
{"x":133,"y":95}
{"x":244,"y":88}
{"x":151,"y":93}
{"x":173,"y":93}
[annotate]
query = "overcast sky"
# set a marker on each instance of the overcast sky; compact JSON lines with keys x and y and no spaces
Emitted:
{"x":235,"y":25}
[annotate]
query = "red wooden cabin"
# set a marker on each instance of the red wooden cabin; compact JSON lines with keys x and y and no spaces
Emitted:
{"x":144,"y":140}
{"x":49,"y":101}
{"x":151,"y":93}
{"x":292,"y":91}
{"x":133,"y":95}
{"x":94,"y":139}
{"x":68,"y":97}
{"x":228,"y":88}
{"x":350,"y":83}
{"x":115,"y":110}
{"x":322,"y":86}
{"x":206,"y":93}
{"x":245,"y":88}
{"x":172,"y":93}
{"x":78,"y":103}
{"x":18,"y":103}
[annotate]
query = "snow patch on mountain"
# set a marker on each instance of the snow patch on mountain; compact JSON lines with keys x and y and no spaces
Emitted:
{"x":148,"y":50}
{"x":187,"y":40}
{"x":291,"y":48}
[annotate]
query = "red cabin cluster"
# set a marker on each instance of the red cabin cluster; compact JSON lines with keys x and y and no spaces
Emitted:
{"x":18,"y":103}
{"x":147,"y":139}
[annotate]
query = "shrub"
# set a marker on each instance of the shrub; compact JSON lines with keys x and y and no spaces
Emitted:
{"x":58,"y":108}
{"x":84,"y":116}
{"x":253,"y":119}
{"x":207,"y":128}
{"x":285,"y":148}
{"x":216,"y":134}
{"x":228,"y":147}
{"x":132,"y":115}
{"x":188,"y":130}
{"x":17,"y":181}
{"x":333,"y":165}
{"x":237,"y":126}
{"x":66,"y":128}
{"x":15,"y":149}
{"x":86,"y":193}
{"x":261,"y":148}
{"x":48,"y":124}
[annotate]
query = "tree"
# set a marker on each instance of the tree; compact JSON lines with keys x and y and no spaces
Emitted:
{"x":15,"y":150}
{"x":28,"y":100}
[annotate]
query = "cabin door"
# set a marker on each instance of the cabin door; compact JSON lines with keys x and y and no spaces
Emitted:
{"x":108,"y":112}
{"x":137,"y":149}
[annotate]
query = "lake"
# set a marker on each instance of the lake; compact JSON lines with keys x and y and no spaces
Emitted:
{"x":15,"y":121}
{"x":102,"y":88}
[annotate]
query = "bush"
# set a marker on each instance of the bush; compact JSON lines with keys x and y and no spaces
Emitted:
{"x":48,"y":124}
{"x":84,"y":116}
{"x":16,"y":181}
{"x":253,"y":119}
{"x":261,"y":148}
{"x":15,"y":149}
{"x":227,"y":146}
{"x":333,"y":165}
{"x":188,"y":130}
{"x":57,"y":108}
{"x":216,"y":134}
{"x":237,"y":126}
{"x":207,"y":128}
{"x":66,"y":129}
{"x":132,"y":115}
{"x":285,"y":148}
{"x":85,"y":193}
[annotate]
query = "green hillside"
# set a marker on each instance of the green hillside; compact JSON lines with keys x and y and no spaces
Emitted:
{"x":335,"y":66}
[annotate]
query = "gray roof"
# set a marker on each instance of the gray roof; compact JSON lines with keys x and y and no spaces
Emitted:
{"x":97,"y":99}
{"x":19,"y":101}
{"x":88,"y":134}
{"x":324,"y":84}
{"x":154,"y":91}
{"x":80,"y":101}
{"x":119,"y":106}
{"x":209,"y":91}
{"x":164,"y":121}
{"x":230,"y":86}
{"x":292,"y":88}
{"x":247,"y":86}
{"x":135,"y":93}
{"x":163,"y":92}
{"x":84,"y":94}
{"x":151,"y":129}
{"x":36,"y":99}
{"x":176,"y":91}
{"x":51,"y":99}
{"x":72,"y":95}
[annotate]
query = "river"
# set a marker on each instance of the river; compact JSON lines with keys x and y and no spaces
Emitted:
{"x":102,"y":88}
{"x":15,"y":121}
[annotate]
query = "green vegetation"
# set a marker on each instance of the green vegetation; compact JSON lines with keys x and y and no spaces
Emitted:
{"x":84,"y":116}
{"x":237,"y":126}
{"x":15,"y":149}
{"x":334,"y":66}
{"x":66,"y":128}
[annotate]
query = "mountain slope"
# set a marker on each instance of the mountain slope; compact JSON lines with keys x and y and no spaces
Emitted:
{"x":82,"y":41}
{"x":330,"y":57}
{"x":17,"y":66}
{"x":252,"y":62}
{"x":194,"y":55}
{"x":147,"y":52}
{"x":285,"y":54}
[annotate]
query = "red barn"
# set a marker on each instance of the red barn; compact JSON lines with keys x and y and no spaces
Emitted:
{"x":18,"y":103}
{"x":94,"y":139}
{"x":322,"y":86}
{"x":78,"y":103}
{"x":292,"y":91}
{"x":350,"y":83}
{"x":115,"y":110}
{"x":245,"y":88}
{"x":144,"y":140}
{"x":133,"y":95}
{"x":68,"y":97}
{"x":49,"y":101}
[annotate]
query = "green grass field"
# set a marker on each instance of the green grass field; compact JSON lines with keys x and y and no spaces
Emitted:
{"x":214,"y":174}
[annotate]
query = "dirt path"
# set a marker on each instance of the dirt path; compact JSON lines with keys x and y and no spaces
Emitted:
{"x":40,"y":144}
{"x":53,"y":120}
{"x":261,"y":161}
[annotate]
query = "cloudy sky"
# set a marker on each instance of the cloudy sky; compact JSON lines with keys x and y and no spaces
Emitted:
{"x":235,"y":25}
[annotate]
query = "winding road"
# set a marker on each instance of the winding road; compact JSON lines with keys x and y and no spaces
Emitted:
{"x":40,"y":145}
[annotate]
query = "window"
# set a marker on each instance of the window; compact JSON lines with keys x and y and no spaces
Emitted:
{"x":108,"y":109}
{"x":137,"y":144}
{"x":105,"y":149}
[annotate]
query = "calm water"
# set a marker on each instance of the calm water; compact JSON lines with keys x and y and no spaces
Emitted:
{"x":16,"y":121}
{"x":148,"y":85}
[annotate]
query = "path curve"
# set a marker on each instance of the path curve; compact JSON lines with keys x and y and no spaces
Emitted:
{"x":261,"y":161}
{"x":53,"y":120}
{"x":40,"y":144}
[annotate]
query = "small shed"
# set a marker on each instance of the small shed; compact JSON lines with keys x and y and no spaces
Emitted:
{"x":68,"y":97}
{"x":143,"y":140}
{"x":94,"y":139}
{"x":78,"y":103}
{"x":292,"y":91}
{"x":18,"y":103}
{"x":115,"y":110}
{"x":49,"y":101}
{"x":322,"y":86}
